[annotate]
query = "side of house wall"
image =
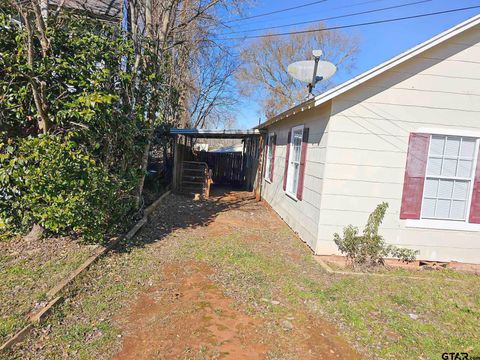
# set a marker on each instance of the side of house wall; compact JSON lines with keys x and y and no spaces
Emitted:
{"x":368,"y":141}
{"x":301,"y":215}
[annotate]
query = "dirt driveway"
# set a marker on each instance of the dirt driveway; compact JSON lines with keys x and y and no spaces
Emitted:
{"x":197,"y":312}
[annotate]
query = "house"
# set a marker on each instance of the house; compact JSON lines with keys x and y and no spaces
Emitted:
{"x":406,"y":132}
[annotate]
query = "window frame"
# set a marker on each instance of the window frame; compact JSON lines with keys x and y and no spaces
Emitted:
{"x":268,"y":159}
{"x":290,"y":173}
{"x":470,"y":179}
{"x":449,"y":224}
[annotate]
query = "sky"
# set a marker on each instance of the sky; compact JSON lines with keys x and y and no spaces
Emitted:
{"x":378,"y":43}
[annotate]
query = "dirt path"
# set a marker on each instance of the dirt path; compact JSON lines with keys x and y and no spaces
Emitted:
{"x":189,"y":316}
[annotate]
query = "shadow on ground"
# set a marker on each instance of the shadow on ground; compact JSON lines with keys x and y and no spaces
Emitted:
{"x":180,"y":211}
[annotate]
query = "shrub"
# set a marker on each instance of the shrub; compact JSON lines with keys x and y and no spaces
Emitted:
{"x":370,"y":249}
{"x":50,"y":181}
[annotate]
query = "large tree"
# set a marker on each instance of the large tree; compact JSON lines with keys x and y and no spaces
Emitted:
{"x":71,"y":83}
{"x":166,"y":35}
{"x":263,"y":75}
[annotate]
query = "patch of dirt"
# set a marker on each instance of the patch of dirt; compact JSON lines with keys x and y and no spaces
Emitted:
{"x":189,"y":317}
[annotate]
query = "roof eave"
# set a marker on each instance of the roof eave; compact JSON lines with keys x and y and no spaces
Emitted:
{"x":306,"y":105}
{"x":377,"y":70}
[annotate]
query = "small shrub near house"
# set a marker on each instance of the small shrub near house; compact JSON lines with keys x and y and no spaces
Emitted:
{"x":369,"y":249}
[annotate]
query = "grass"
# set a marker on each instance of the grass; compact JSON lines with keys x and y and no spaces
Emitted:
{"x":373,"y":313}
{"x":26,"y":276}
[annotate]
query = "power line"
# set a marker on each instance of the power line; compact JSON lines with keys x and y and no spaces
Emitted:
{"x":276,"y":19}
{"x":353,"y":25}
{"x":329,"y":18}
{"x":276,"y":11}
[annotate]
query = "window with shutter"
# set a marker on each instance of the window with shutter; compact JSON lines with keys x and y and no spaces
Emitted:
{"x":447,"y":188}
{"x":287,"y":159}
{"x":303,"y":163}
{"x":270,"y":156}
{"x":293,"y":173}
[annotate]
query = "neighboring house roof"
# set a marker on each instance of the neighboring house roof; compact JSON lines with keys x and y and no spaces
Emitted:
{"x":229,"y":149}
{"x":387,"y":65}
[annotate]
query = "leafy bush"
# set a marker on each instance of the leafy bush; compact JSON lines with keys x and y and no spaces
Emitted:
{"x":80,"y":180}
{"x":370,"y":249}
{"x":50,"y":181}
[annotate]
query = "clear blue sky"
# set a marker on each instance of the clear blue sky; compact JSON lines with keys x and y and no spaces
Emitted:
{"x":378,"y":42}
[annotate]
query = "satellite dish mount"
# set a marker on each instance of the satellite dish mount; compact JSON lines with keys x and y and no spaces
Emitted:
{"x":316,"y":57}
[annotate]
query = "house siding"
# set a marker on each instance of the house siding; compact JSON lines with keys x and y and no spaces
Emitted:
{"x":301,"y":215}
{"x":368,"y":139}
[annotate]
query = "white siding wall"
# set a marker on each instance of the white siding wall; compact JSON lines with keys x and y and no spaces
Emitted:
{"x":368,"y":140}
{"x":302,"y":216}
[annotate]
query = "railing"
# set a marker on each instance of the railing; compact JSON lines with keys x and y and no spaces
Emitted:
{"x":195,"y":178}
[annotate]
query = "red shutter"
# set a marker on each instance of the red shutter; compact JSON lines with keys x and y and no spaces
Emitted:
{"x":272,"y":164}
{"x":475,"y":206}
{"x":414,"y":176}
{"x":265,"y":157}
{"x":303,"y":160}
{"x":287,"y":155}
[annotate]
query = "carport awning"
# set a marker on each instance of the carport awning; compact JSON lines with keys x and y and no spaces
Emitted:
{"x":216,"y":133}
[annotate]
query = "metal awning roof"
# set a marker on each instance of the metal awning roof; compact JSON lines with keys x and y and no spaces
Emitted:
{"x":216,"y":133}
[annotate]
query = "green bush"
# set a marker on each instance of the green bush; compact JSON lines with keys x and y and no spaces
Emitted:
{"x":50,"y":181}
{"x":370,"y":249}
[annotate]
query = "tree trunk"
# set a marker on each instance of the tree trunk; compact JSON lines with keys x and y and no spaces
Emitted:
{"x":35,"y":233}
{"x":143,"y":169}
{"x":151,"y":100}
{"x":38,"y":86}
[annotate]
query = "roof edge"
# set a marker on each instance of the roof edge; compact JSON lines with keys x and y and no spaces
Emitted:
{"x":377,"y":70}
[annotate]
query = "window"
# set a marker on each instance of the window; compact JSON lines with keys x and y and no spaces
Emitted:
{"x":449,"y":178}
{"x":269,"y":160}
{"x":294,"y":160}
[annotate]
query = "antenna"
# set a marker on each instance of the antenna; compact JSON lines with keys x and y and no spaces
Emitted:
{"x":312,"y":71}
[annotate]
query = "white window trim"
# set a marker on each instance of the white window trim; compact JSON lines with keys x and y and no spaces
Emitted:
{"x":291,"y":196}
{"x":267,"y":165}
{"x":449,"y":132}
{"x":287,"y":191}
{"x":461,"y":225}
{"x":441,"y":224}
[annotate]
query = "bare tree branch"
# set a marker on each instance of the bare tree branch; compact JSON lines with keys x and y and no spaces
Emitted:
{"x":263,"y":75}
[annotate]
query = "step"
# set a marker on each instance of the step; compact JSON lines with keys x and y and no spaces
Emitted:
{"x":201,"y":183}
{"x":194,"y":176}
{"x":194,"y":170}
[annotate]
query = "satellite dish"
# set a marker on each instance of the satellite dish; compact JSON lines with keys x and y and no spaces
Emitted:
{"x":304,"y":70}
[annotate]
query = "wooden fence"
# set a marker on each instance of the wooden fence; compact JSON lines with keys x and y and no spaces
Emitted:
{"x":227,"y":168}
